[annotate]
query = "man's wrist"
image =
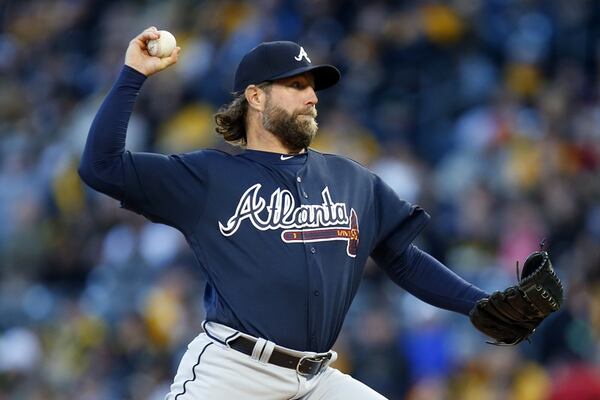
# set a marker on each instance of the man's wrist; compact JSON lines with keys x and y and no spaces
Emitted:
{"x":132,"y":77}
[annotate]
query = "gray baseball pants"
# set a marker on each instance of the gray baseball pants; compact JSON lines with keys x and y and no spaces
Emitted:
{"x":210,"y":369}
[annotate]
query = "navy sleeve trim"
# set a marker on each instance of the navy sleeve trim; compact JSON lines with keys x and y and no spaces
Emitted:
{"x":400,"y":238}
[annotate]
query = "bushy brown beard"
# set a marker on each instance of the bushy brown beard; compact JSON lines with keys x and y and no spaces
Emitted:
{"x":294,"y":131}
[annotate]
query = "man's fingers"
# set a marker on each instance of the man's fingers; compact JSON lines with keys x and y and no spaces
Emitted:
{"x":172,"y":59}
{"x":149,"y":34}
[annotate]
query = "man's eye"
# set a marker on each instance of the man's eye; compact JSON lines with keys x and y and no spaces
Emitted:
{"x":296,"y":85}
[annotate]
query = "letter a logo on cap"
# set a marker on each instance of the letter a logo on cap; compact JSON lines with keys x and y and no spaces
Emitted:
{"x":302,"y":54}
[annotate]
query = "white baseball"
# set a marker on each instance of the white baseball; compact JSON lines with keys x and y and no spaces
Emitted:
{"x":163,"y":46}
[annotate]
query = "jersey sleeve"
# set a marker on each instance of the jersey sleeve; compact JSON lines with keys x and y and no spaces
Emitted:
{"x":409,"y":267}
{"x":398,"y":221}
{"x":166,"y":189}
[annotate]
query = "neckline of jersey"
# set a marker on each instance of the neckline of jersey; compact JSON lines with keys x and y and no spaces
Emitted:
{"x":275,"y":158}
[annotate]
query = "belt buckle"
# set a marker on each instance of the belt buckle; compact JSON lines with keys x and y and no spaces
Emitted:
{"x":317,"y":359}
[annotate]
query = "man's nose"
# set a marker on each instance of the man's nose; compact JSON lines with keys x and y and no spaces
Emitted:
{"x":312,"y":98}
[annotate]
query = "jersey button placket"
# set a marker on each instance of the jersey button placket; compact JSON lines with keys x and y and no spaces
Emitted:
{"x":315,"y":301}
{"x":300,"y":188}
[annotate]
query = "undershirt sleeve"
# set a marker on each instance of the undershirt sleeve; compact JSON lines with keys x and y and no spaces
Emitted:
{"x":101,"y":165}
{"x":429,"y":280}
{"x":166,"y":189}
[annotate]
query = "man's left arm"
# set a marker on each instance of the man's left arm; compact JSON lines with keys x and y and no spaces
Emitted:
{"x":509,"y":316}
{"x":428,"y":279}
{"x":397,"y":224}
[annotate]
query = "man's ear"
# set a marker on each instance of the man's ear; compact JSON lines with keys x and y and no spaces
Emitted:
{"x":256,"y":97}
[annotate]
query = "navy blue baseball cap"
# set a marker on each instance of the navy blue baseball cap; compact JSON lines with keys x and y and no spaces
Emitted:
{"x":276,"y":60}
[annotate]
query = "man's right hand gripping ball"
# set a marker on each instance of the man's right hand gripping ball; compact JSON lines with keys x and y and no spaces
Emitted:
{"x":138,"y":58}
{"x":511,"y":316}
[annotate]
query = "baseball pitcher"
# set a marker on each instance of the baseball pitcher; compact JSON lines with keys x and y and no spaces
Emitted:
{"x":282,"y":233}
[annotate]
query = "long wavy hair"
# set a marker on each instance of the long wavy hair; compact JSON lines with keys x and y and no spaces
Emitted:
{"x":230,"y":119}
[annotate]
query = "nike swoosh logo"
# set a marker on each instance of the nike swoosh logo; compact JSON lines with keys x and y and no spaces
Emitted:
{"x":283,"y":158}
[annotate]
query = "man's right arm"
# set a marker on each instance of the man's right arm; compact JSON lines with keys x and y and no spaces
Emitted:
{"x":101,"y":165}
{"x":157,"y":186}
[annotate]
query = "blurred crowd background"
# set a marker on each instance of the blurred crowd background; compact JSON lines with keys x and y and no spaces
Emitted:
{"x":486,"y":113}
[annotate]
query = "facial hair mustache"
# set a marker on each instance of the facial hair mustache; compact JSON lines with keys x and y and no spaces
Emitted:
{"x":294,"y":133}
{"x":310,"y":111}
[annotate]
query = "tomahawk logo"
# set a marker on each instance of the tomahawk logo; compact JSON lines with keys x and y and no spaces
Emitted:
{"x":302,"y":54}
{"x":303,"y":224}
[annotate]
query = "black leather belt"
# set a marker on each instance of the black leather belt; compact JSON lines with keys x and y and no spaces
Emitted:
{"x":310,"y":365}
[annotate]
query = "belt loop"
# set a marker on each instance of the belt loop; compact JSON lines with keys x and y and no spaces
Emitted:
{"x":258,"y":349}
{"x":334,"y":357}
{"x":266,"y":354}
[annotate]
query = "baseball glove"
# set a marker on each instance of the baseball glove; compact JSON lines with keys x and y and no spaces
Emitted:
{"x":512,"y":315}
